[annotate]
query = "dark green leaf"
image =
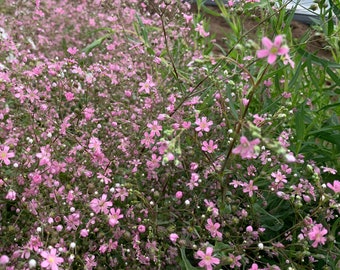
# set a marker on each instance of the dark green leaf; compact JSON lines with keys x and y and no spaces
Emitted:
{"x":186,"y":262}
{"x":318,"y":60}
{"x":95,"y":44}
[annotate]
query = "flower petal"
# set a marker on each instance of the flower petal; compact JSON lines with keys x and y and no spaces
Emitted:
{"x":266,"y":42}
{"x":271,"y":58}
{"x":262,"y":53}
{"x":278,"y":41}
{"x":283,"y":50}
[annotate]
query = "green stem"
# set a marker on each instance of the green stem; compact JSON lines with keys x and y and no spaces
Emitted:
{"x":238,"y":128}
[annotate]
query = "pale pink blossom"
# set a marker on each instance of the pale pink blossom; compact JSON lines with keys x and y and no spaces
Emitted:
{"x":69,"y":96}
{"x":188,"y":18}
{"x":200,"y":29}
{"x":173,"y":237}
{"x":213,"y":228}
{"x":5,"y":155}
{"x":72,"y":50}
{"x":335,"y":187}
{"x":155,"y":128}
{"x":249,"y":188}
{"x":11,"y":195}
{"x":235,"y":260}
{"x":147,"y":85}
{"x":114,"y":216}
{"x":203,"y":124}
{"x":44,"y":156}
{"x":84,"y":233}
{"x":209,"y":146}
{"x":246,"y":148}
{"x":4,"y":259}
{"x":95,"y":144}
{"x":207,"y":260}
{"x":51,"y":259}
{"x":272,"y":49}
{"x":179,"y":195}
{"x":317,"y":235}
{"x":100,"y":205}
{"x":141,"y":228}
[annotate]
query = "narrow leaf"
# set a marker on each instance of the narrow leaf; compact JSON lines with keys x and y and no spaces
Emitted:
{"x":186,"y":262}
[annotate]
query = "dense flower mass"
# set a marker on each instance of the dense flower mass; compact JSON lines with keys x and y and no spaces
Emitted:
{"x":133,"y":137}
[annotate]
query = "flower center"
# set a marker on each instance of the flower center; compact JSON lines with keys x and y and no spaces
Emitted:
{"x":274,"y":50}
{"x":207,"y":258}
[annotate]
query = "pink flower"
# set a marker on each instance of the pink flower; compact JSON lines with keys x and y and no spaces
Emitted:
{"x":44,"y":156}
{"x":272,"y":49}
{"x":235,"y":260}
{"x":330,"y":170}
{"x":141,"y":228}
{"x":188,"y":18}
{"x":148,"y":140}
{"x":147,"y":85}
{"x":193,"y":181}
{"x":200,"y":29}
{"x":279,"y":177}
{"x":179,"y":195}
{"x":155,"y":128}
{"x":203,"y":124}
{"x":254,"y":266}
{"x":4,"y":260}
{"x":335,"y":186}
{"x":114,"y":216}
{"x":51,"y":259}
{"x":89,"y":113}
{"x":209,"y":146}
{"x":173,"y":237}
{"x":5,"y":155}
{"x":11,"y":195}
{"x":69,"y":96}
{"x":95,"y":144}
{"x":249,"y":188}
{"x":72,"y":50}
{"x":207,"y":260}
{"x":213,"y":228}
{"x":246,"y":148}
{"x":84,"y":233}
{"x":100,"y":205}
{"x":121,"y":193}
{"x":317,"y":235}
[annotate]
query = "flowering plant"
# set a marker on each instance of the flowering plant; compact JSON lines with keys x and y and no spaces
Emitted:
{"x":130,"y":139}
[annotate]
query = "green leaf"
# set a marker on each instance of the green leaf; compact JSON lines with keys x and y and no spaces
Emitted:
{"x":210,"y":11}
{"x":317,"y":60}
{"x":334,"y":77}
{"x":330,"y":23}
{"x":296,"y":76}
{"x":186,"y":262}
{"x":268,"y":220}
{"x":299,"y":123}
{"x":329,"y":137}
{"x":220,"y":246}
{"x":95,"y":44}
{"x":335,"y":6}
{"x":329,"y":106}
{"x":332,"y":128}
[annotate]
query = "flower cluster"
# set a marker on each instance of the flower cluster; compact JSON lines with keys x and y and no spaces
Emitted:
{"x":126,"y":142}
